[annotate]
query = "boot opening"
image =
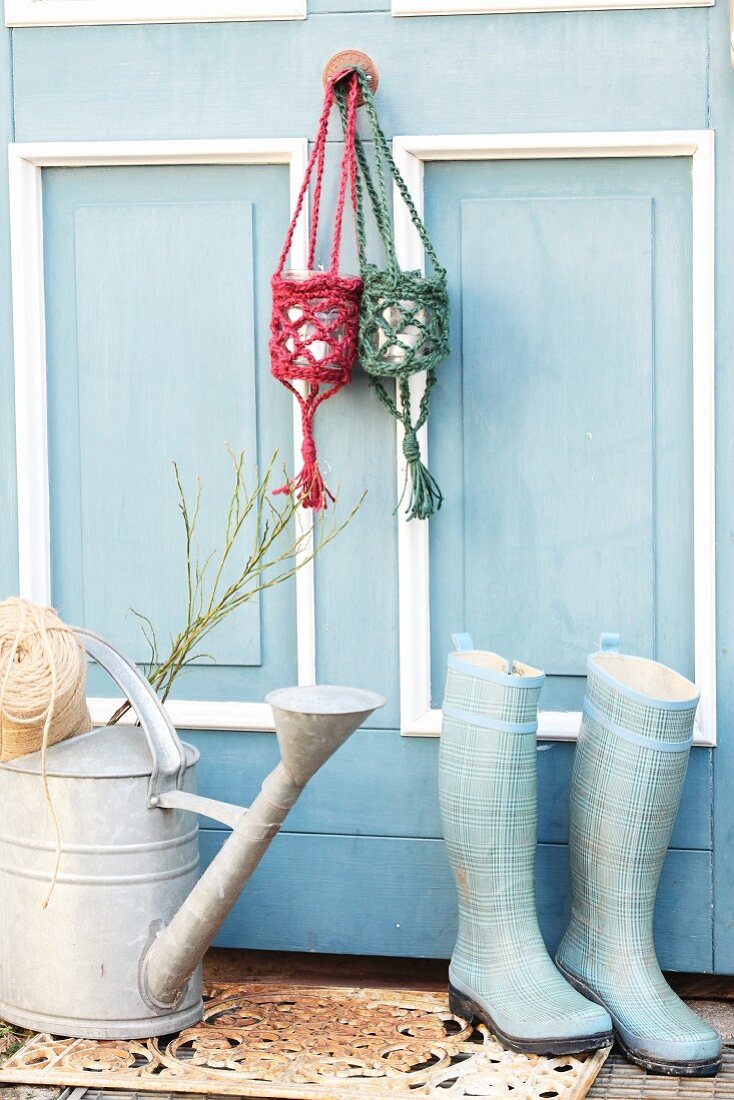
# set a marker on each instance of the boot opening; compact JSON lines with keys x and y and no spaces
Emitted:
{"x":646,"y":677}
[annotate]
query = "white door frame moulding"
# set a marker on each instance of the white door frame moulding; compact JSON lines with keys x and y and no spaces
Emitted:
{"x":418,"y":718}
{"x":78,"y":13}
{"x":504,"y":7}
{"x":26,"y":164}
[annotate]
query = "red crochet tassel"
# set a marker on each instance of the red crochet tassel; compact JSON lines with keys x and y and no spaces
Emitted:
{"x":309,"y":486}
{"x":315,"y":321}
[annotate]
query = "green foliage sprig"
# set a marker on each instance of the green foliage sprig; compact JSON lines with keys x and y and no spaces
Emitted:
{"x":279,"y":548}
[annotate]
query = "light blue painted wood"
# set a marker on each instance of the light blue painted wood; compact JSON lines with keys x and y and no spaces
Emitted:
{"x":386,"y":896}
{"x":572,"y":351}
{"x":165,"y":348}
{"x":558,"y":457}
{"x":381,"y":784}
{"x":471,"y":74}
{"x":356,"y":591}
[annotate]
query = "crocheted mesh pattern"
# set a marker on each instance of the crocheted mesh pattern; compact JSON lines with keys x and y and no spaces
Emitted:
{"x":403,"y":326}
{"x":488,"y":797}
{"x":315,"y":319}
{"x":314,"y":327}
{"x":624,"y":801}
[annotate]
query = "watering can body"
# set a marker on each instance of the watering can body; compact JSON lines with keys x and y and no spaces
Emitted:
{"x":72,"y":968}
{"x":116,"y":951}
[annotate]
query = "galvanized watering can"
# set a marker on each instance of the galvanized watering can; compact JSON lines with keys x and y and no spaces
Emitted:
{"x":117,"y":953}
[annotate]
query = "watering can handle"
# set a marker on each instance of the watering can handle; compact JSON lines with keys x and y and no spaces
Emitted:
{"x":169,"y":756}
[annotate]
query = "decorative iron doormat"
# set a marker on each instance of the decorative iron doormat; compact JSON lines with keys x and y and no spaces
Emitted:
{"x":309,"y":1043}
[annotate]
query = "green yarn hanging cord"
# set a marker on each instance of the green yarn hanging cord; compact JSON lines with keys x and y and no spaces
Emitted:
{"x":404,"y":315}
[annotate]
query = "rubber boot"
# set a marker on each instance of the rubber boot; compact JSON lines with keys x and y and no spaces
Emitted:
{"x":501,"y":973}
{"x":628,"y":774}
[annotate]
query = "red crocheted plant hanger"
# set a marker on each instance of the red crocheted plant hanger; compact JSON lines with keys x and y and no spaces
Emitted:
{"x":315,"y":322}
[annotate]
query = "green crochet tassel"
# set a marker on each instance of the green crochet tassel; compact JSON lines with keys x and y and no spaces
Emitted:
{"x":404,"y":315}
{"x":425,"y":495}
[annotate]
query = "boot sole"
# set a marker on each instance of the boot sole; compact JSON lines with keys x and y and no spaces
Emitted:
{"x":665,"y":1069}
{"x":466,"y":1009}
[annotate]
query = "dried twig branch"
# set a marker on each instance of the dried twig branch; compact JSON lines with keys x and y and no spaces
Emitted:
{"x":278,"y":550}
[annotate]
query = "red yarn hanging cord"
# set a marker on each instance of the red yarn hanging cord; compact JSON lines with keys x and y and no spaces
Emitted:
{"x":315,"y":322}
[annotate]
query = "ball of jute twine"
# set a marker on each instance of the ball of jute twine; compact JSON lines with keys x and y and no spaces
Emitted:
{"x":43,"y":669}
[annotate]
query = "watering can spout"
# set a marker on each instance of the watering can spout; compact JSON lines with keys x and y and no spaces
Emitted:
{"x":311,"y":724}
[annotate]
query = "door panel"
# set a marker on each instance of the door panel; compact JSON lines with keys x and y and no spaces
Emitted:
{"x":156,"y":315}
{"x":563,"y":436}
{"x":149,"y":318}
{"x":563,"y":527}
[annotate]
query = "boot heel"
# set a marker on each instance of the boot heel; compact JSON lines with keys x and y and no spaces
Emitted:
{"x":461,"y":1006}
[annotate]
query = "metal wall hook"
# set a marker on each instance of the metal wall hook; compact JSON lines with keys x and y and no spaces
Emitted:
{"x":352,"y":59}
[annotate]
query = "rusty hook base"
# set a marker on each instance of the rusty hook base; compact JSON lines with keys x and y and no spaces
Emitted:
{"x":351,"y":59}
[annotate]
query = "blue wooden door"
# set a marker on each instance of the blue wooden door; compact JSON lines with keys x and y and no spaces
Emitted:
{"x":563,"y":429}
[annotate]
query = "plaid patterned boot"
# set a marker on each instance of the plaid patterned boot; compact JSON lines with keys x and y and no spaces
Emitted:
{"x":501,"y":973}
{"x":628,"y":774}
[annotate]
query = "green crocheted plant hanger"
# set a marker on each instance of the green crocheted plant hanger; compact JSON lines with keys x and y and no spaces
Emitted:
{"x":404,"y":315}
